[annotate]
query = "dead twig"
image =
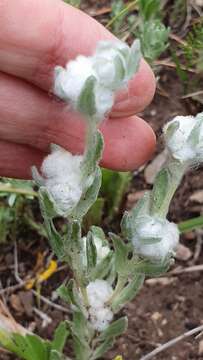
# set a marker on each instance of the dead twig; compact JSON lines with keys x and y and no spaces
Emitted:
{"x":12,"y":288}
{"x":196,"y":93}
{"x":186,"y":270}
{"x":198,"y":247}
{"x":172,"y":342}
{"x":35,"y":293}
{"x":46,"y":320}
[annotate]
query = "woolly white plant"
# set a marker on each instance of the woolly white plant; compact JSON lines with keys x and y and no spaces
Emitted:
{"x":107,"y":273}
{"x":99,"y":292}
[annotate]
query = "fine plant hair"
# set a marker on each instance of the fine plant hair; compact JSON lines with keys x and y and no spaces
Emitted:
{"x":108,"y":270}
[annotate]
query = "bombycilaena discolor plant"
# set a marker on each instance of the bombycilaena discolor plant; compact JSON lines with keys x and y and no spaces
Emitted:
{"x":107,"y":273}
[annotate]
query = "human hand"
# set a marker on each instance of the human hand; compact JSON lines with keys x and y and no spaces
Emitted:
{"x":36,"y":36}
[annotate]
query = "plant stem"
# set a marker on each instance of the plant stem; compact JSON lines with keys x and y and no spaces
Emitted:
{"x":121,"y":13}
{"x":176,"y":172}
{"x":191,"y":224}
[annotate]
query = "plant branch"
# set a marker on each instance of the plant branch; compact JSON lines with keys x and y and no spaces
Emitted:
{"x":172,"y":342}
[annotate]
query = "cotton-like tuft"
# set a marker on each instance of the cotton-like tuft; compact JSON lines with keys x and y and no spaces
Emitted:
{"x":99,"y":292}
{"x":62,"y":178}
{"x":100,"y":318}
{"x":155,"y":238}
{"x":180,"y":143}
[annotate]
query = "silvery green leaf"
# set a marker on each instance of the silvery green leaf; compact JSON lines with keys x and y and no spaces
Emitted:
{"x":86,"y":103}
{"x":55,"y":239}
{"x":93,"y":153}
{"x":81,"y":348}
{"x":88,"y":199}
{"x":120,"y":69}
{"x":72,"y":241}
{"x":126,"y":225}
{"x":47,"y":204}
{"x":102,"y":349}
{"x":159,"y":194}
{"x":102,"y":269}
{"x":69,"y":293}
{"x":91,"y":251}
{"x":98,"y":232}
{"x":134,"y":58}
{"x":128,"y":293}
{"x":55,"y":355}
{"x":152,"y":269}
{"x":115,"y":329}
{"x":36,"y":176}
{"x":121,"y":253}
{"x":60,"y":336}
{"x":142,"y":206}
{"x":170,"y":130}
{"x":81,"y":327}
{"x":195,"y":133}
{"x":65,"y":293}
{"x":154,"y":39}
{"x":128,"y":222}
{"x":29,"y":347}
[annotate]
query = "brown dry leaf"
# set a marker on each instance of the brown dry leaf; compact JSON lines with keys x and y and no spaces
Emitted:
{"x":26,"y":298}
{"x":197,"y":196}
{"x":16,"y":303}
{"x":153,"y":168}
{"x":183,"y":253}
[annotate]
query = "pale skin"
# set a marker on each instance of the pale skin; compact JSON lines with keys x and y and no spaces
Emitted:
{"x":36,"y":36}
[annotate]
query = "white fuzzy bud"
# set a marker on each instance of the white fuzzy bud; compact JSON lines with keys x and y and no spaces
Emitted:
{"x":155,"y":238}
{"x":111,"y":66}
{"x":100,"y":318}
{"x":62,"y":178}
{"x":182,"y":144}
{"x":98,"y":293}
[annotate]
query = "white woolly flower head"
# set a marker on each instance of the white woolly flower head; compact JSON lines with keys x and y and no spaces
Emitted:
{"x":184,"y":138}
{"x":111,"y":67}
{"x":155,"y":238}
{"x":98,"y":293}
{"x":100,"y":318}
{"x":62,"y":177}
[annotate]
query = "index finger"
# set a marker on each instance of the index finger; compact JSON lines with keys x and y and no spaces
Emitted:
{"x":38,"y":35}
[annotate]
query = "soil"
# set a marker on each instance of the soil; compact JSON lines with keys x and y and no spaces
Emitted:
{"x":163,"y":309}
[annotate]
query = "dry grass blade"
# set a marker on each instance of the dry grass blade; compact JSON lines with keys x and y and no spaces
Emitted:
{"x":172,"y":342}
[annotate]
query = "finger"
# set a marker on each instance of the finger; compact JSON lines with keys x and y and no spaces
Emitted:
{"x":16,"y":160}
{"x":30,"y":117}
{"x":140,"y":92}
{"x":53,"y":37}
